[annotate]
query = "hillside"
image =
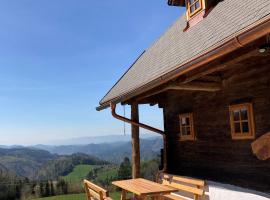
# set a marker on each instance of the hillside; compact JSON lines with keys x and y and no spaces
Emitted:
{"x":78,"y":173}
{"x":41,"y":164}
{"x":24,"y":162}
{"x":63,"y":165}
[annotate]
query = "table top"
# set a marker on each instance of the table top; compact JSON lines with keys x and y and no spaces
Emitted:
{"x":142,"y":187}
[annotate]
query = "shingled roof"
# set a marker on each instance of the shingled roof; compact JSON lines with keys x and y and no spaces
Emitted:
{"x":176,"y":47}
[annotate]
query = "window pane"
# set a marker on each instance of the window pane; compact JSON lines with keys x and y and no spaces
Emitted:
{"x":237,"y":128}
{"x":192,"y":9}
{"x":244,"y":114}
{"x":187,"y":120}
{"x":236,"y":115}
{"x":191,"y":1}
{"x":183,"y":121}
{"x":184,"y":131}
{"x":188,"y":131}
{"x":197,"y":4}
{"x":245,"y":127}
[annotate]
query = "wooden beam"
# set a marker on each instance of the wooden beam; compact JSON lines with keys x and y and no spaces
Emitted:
{"x":231,"y":63}
{"x":212,"y":78}
{"x":196,"y":86}
{"x":135,"y":141}
{"x":204,"y":72}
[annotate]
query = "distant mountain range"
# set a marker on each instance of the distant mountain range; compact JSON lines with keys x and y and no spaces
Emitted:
{"x":87,"y":140}
{"x":112,"y":152}
{"x":96,"y":139}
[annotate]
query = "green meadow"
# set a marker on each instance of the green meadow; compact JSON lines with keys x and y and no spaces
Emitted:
{"x":79,"y":172}
{"x":114,"y":195}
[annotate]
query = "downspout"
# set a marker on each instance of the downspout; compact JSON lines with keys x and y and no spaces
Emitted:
{"x":141,"y":125}
{"x":147,"y":127}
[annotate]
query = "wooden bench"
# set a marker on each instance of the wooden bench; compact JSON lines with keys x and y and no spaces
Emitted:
{"x":93,"y":191}
{"x":193,"y":187}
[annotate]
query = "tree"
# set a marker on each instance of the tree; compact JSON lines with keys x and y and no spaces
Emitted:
{"x":52,"y":188}
{"x":149,"y":169}
{"x":124,"y":171}
{"x":47,"y":189}
{"x":41,"y":188}
{"x":62,"y":187}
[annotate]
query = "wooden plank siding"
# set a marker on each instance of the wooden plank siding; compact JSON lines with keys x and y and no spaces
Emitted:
{"x":214,"y":155}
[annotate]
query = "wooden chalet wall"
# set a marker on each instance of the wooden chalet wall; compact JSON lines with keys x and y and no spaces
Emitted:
{"x":214,"y":155}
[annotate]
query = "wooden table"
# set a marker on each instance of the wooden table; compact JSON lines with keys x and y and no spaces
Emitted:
{"x":142,"y":188}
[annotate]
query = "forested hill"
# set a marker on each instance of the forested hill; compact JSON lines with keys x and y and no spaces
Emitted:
{"x":63,"y":165}
{"x":27,"y":153}
{"x":34,"y":163}
{"x":24,"y":161}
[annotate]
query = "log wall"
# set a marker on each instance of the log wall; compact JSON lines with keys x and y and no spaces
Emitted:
{"x":214,"y":155}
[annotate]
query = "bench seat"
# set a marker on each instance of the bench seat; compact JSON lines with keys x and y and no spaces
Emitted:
{"x":193,"y":187}
{"x":173,"y":197}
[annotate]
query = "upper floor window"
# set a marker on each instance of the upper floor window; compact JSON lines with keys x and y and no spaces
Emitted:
{"x":186,"y":126}
{"x":194,"y":6}
{"x":242,"y":121}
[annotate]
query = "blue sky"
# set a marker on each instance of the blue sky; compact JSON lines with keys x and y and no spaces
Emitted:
{"x":58,"y":58}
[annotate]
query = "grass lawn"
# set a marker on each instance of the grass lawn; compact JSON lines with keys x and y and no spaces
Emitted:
{"x":81,"y":171}
{"x":78,"y":173}
{"x":113,"y":195}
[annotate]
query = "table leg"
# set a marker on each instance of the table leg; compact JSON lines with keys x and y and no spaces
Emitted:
{"x":159,"y":197}
{"x":124,"y":195}
{"x":140,"y":197}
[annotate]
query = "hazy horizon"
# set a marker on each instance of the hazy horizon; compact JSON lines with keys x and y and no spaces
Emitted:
{"x":84,"y":140}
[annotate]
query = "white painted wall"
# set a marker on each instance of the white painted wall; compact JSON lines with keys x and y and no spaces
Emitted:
{"x":218,"y":191}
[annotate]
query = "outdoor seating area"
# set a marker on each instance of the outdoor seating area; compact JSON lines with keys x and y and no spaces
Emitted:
{"x":168,"y":187}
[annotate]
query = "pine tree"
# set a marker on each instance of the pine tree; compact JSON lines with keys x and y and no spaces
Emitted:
{"x":124,"y":171}
{"x":41,"y":188}
{"x":52,"y":188}
{"x":47,"y":189}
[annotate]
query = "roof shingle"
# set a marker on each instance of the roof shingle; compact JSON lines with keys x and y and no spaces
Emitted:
{"x":176,"y":47}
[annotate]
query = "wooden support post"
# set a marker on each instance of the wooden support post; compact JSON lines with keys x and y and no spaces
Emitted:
{"x":165,"y":153}
{"x":135,"y":141}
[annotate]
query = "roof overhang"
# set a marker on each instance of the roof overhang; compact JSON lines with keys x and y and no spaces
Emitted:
{"x":176,"y":3}
{"x":236,"y":41}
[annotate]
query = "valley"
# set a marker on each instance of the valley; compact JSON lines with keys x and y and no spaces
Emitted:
{"x":31,"y":173}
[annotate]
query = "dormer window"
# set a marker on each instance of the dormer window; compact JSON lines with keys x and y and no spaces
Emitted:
{"x":195,"y":11}
{"x":194,"y":6}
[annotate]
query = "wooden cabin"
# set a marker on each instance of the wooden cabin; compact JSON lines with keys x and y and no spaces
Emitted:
{"x":210,"y":73}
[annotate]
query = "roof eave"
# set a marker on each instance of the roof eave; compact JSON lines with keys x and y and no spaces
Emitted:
{"x":257,"y":30}
{"x":176,"y":3}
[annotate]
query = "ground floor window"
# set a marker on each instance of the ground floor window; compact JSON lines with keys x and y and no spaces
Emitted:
{"x":242,"y":121}
{"x":186,"y":126}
